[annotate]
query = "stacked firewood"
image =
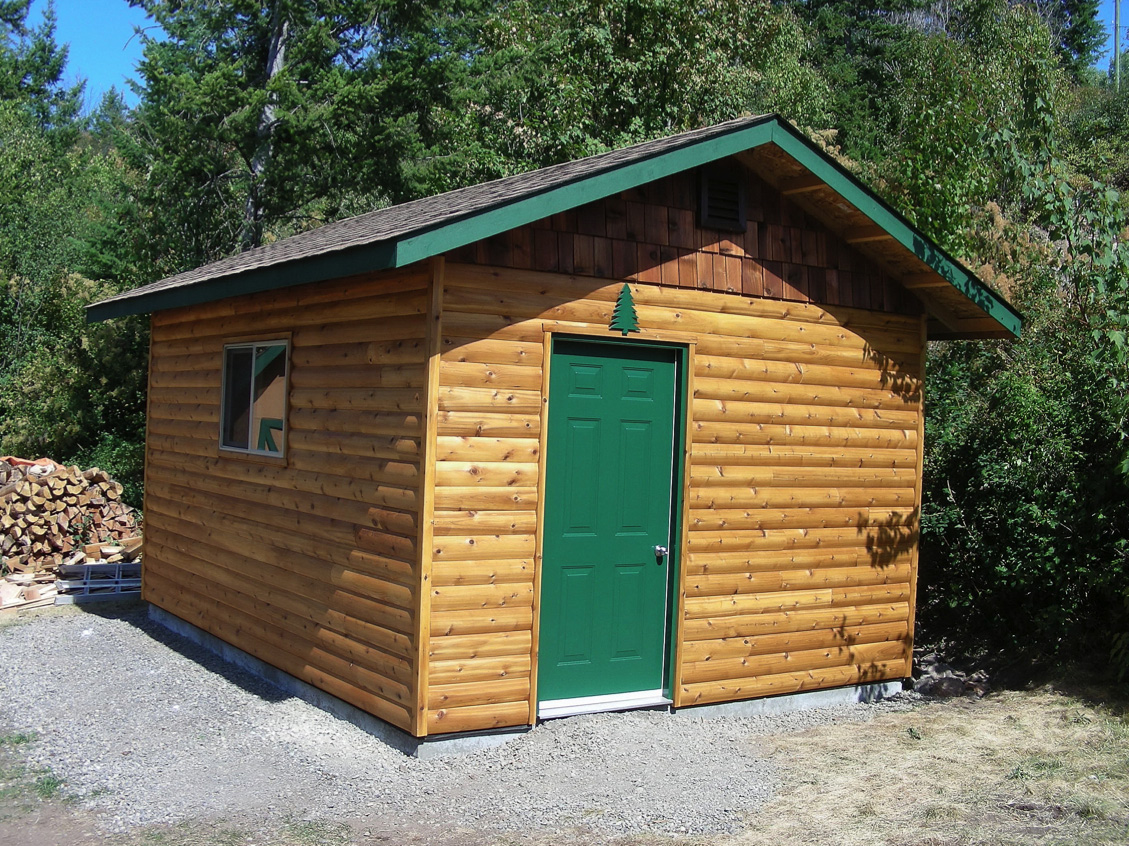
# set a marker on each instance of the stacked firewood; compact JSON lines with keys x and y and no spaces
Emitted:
{"x":48,"y":511}
{"x":106,"y":570}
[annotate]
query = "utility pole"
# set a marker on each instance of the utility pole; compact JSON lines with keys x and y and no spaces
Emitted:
{"x":1117,"y":46}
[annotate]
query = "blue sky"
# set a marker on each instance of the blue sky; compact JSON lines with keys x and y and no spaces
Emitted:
{"x":104,"y":51}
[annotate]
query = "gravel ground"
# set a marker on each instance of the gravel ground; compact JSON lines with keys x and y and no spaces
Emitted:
{"x":147,"y":728}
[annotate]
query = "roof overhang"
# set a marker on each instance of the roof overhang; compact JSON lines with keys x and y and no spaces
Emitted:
{"x":959,"y":304}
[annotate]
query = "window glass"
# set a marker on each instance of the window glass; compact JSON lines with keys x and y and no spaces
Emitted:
{"x":254,"y":402}
{"x":237,"y":396}
{"x":269,"y":404}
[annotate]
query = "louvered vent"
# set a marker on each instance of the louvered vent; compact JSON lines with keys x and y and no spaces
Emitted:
{"x":723,"y":202}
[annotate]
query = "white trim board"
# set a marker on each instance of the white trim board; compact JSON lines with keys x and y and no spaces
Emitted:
{"x":593,"y":704}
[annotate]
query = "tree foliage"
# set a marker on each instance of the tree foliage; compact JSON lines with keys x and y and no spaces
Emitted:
{"x":67,"y":389}
{"x":1079,"y":33}
{"x":1026,"y":515}
{"x":1026,"y":518}
{"x":31,"y":70}
{"x":299,"y":112}
{"x":556,"y":80}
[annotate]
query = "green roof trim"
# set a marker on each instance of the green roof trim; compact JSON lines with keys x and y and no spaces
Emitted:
{"x":857,"y":194}
{"x":586,"y":190}
{"x":516,"y":203}
{"x":314,"y":269}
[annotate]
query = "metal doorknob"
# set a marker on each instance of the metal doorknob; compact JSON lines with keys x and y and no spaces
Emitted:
{"x":661,"y":552}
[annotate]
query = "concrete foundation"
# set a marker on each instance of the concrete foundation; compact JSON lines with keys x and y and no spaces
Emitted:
{"x":789,"y":702}
{"x":430,"y":747}
{"x":461,"y":744}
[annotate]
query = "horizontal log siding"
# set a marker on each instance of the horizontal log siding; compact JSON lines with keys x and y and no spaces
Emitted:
{"x":308,"y":564}
{"x":650,"y":234}
{"x":802,"y":489}
{"x":804,"y":498}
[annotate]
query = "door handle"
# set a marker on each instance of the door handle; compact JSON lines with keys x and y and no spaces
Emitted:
{"x":660,"y":553}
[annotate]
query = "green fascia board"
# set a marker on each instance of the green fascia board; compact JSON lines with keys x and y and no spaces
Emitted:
{"x":458,"y":233}
{"x":283,"y":275}
{"x":474,"y":226}
{"x":851,"y":189}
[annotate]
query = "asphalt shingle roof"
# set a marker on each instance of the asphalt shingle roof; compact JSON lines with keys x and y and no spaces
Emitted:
{"x":406,"y":219}
{"x":401,"y":235}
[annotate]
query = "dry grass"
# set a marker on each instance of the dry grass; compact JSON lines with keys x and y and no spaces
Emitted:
{"x":1017,"y":767}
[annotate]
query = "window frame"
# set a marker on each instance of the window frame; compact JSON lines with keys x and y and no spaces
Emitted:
{"x":252,"y":344}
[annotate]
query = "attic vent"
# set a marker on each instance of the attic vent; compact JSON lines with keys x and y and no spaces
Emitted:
{"x":723,"y":201}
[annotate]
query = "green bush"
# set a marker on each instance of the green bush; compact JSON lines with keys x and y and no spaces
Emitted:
{"x":1026,"y":503}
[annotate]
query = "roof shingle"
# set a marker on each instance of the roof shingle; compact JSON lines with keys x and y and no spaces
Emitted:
{"x":417,"y":216}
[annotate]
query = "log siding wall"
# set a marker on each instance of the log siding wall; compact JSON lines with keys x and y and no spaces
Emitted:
{"x":309,"y":563}
{"x":804,"y":459}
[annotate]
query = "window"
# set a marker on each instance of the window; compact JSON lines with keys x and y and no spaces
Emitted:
{"x":254,"y":397}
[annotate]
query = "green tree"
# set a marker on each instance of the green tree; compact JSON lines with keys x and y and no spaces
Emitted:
{"x":557,"y":80}
{"x":1095,"y":127}
{"x":972,"y":100}
{"x":299,"y":112}
{"x":67,"y":390}
{"x":856,"y":46}
{"x":1081,"y":36}
{"x":1025,"y":529}
{"x":31,"y":70}
{"x":1026,"y":522}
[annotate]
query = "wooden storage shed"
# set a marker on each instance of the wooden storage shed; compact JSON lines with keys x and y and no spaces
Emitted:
{"x":641,"y":428}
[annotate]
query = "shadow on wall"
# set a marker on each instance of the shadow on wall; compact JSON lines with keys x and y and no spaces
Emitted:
{"x":897,"y":534}
{"x":895,"y":352}
{"x":901,"y":376}
{"x":890,"y":538}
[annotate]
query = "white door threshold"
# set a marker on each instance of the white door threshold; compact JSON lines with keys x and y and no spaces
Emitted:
{"x":594,"y":704}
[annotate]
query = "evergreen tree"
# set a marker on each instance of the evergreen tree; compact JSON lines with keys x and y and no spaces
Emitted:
{"x":31,"y":70}
{"x":857,"y":44}
{"x":299,"y":112}
{"x":1081,"y":37}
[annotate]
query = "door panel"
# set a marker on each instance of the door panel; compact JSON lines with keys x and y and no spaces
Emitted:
{"x":629,"y":595}
{"x":635,"y":449}
{"x":578,"y":591}
{"x":609,"y":473}
{"x":581,"y":506}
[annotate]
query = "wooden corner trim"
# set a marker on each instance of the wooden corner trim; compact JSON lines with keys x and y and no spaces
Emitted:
{"x":427,"y":495}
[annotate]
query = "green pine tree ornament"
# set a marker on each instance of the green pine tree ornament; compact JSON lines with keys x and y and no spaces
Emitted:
{"x":623,"y":317}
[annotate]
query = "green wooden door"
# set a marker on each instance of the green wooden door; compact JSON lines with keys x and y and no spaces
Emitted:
{"x":609,"y":488}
